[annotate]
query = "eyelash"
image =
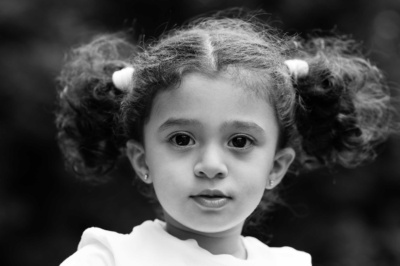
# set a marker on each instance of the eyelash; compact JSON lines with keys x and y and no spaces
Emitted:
{"x":248,"y":139}
{"x":172,"y":139}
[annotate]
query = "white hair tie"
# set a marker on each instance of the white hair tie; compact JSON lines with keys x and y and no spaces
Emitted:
{"x":297,"y":68}
{"x":122,"y":79}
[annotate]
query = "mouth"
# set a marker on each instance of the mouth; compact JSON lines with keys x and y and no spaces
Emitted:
{"x":211,"y":199}
{"x":211,"y":193}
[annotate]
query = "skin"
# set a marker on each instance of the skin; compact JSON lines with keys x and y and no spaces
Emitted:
{"x":210,"y":133}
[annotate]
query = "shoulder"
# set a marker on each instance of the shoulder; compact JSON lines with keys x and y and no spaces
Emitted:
{"x":102,"y":247}
{"x":282,"y":256}
{"x":292,"y":256}
{"x":94,"y":249}
{"x":113,"y":239}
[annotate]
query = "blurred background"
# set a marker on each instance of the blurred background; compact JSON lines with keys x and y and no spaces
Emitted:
{"x":344,"y":217}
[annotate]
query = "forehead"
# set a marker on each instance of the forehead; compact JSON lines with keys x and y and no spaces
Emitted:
{"x":195,"y":88}
{"x":211,"y":100}
{"x":252,"y":81}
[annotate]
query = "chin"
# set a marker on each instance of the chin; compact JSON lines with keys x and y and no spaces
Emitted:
{"x":212,"y":227}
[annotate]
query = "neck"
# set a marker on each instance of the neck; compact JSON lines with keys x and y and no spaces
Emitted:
{"x":226,"y":242}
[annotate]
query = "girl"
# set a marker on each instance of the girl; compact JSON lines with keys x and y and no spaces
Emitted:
{"x":211,"y":117}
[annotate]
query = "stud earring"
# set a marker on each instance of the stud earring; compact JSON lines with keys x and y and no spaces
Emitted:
{"x":146,"y":176}
{"x":270,"y":184}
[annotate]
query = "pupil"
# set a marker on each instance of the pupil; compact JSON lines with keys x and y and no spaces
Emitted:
{"x":239,"y":142}
{"x":182,"y":140}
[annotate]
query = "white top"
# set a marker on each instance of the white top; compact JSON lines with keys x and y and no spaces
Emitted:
{"x":150,"y":245}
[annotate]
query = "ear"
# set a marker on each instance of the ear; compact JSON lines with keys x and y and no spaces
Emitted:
{"x":136,"y":154}
{"x":282,"y":160}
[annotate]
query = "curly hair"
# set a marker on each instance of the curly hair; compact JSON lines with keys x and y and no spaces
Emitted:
{"x":337,"y":114}
{"x":343,"y":109}
{"x":89,"y":105}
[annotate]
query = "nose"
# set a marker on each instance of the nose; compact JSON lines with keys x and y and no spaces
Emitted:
{"x":211,"y":163}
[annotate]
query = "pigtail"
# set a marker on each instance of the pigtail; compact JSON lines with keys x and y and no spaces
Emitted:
{"x":343,"y":104}
{"x":89,"y":103}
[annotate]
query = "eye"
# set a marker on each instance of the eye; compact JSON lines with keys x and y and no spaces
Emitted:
{"x":241,"y":142}
{"x":182,"y":140}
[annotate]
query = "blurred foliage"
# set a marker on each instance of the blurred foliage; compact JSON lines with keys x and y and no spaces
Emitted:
{"x":346,"y":217}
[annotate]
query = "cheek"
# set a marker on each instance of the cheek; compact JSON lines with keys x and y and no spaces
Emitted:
{"x":172,"y":186}
{"x":165,"y":164}
{"x":257,"y":167}
{"x":255,"y":184}
{"x":253,"y":175}
{"x":251,"y":190}
{"x":168,"y":173}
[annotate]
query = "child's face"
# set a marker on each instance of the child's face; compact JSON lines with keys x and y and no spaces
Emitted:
{"x":209,"y":134}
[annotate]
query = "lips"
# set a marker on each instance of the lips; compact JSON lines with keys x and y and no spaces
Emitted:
{"x":211,"y":199}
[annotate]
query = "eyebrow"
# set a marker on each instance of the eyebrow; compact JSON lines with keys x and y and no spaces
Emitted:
{"x":172,"y":122}
{"x":244,"y":125}
{"x":237,"y":124}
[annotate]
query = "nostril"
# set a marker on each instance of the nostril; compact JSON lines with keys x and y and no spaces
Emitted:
{"x":210,"y":174}
{"x":210,"y":166}
{"x":200,"y":174}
